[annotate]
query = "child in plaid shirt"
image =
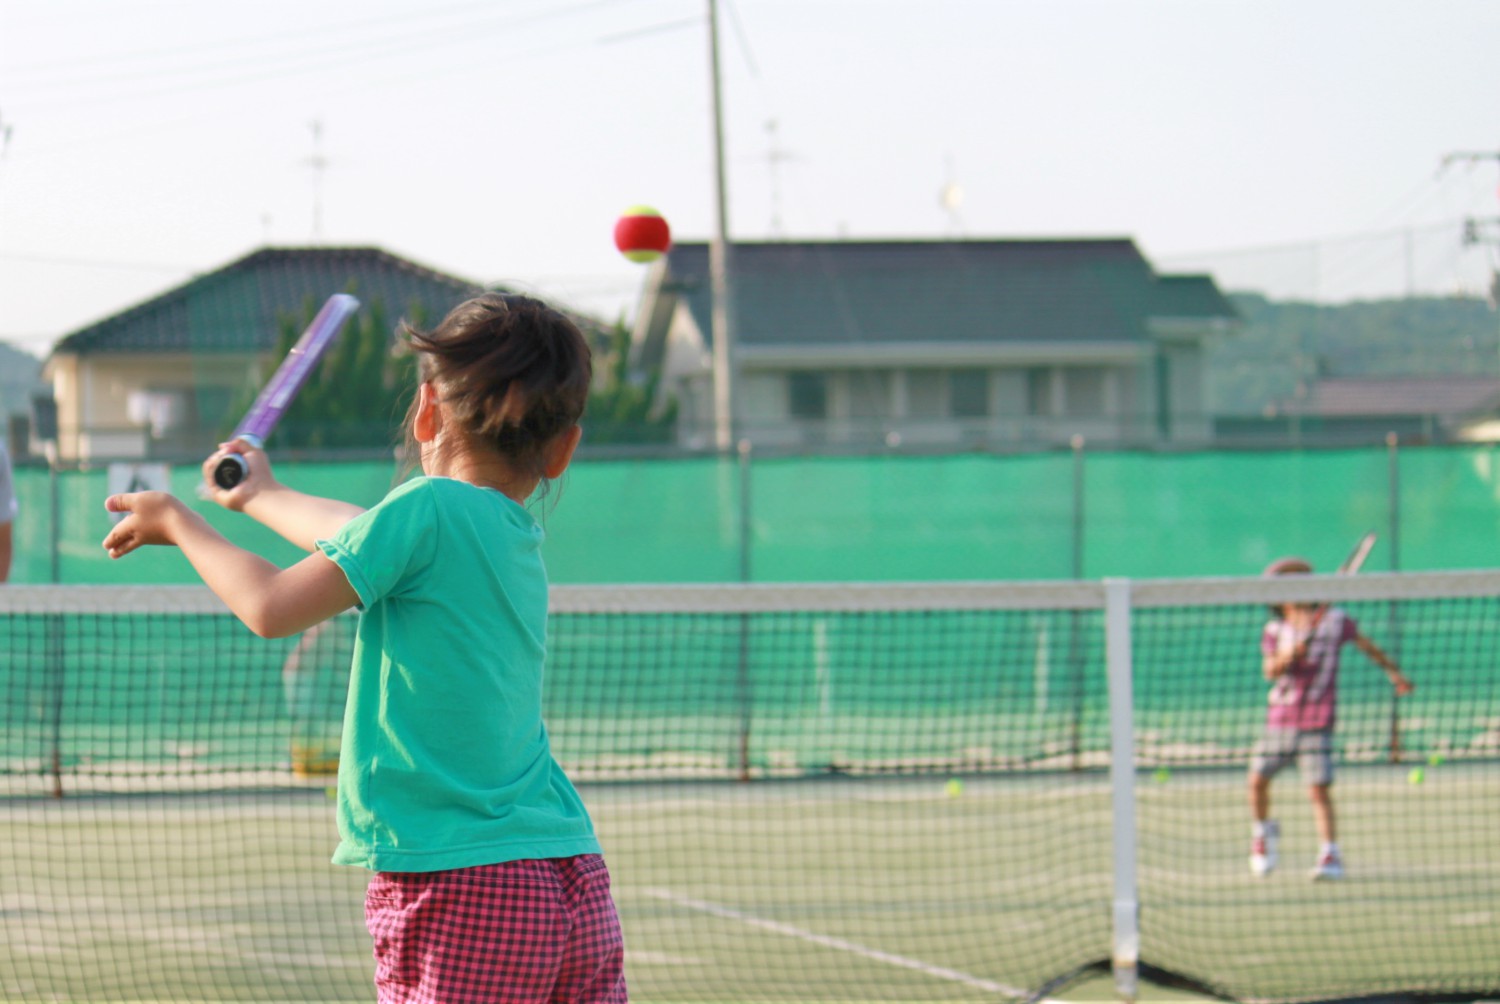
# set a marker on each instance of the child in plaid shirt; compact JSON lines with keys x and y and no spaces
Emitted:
{"x":1300,"y":648}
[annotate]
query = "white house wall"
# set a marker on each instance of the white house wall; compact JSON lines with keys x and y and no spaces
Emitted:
{"x":899,"y":393}
{"x":913,"y":407}
{"x":93,"y":395}
{"x":1190,"y":420}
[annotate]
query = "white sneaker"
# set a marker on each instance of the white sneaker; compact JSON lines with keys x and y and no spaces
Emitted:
{"x":1263,"y":849}
{"x":1330,"y":866}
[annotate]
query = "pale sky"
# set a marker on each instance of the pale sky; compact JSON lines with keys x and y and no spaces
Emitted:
{"x":1295,"y":146}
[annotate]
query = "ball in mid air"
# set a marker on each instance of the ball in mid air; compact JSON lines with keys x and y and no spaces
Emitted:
{"x":642,"y":234}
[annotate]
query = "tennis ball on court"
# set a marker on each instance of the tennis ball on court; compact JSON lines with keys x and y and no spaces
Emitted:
{"x":1435,"y":760}
{"x":1417,"y":776}
{"x":1162,"y":775}
{"x":954,"y":787}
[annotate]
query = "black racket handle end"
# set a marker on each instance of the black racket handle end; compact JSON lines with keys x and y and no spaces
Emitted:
{"x":230,"y":471}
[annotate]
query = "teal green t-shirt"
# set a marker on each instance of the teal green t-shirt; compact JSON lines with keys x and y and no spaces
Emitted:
{"x":445,"y":762}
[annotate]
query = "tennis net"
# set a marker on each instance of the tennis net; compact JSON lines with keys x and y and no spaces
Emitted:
{"x":962,"y":791}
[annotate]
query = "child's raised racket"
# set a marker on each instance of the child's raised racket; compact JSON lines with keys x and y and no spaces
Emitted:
{"x":1358,"y":555}
{"x":276,"y":396}
{"x":1350,"y":565}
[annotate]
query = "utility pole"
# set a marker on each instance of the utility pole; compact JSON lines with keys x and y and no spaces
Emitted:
{"x":718,"y":262}
{"x":1469,"y":157}
{"x":1477,"y":229}
{"x":1481,"y":230}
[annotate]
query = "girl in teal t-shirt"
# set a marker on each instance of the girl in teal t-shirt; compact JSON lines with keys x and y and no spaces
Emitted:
{"x":488,"y":882}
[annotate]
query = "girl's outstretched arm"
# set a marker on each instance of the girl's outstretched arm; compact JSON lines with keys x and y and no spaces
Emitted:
{"x":273,"y":602}
{"x":301,"y":518}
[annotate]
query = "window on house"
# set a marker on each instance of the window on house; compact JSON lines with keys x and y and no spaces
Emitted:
{"x":1084,"y":391}
{"x":969,"y":393}
{"x":924,"y":393}
{"x":163,"y":410}
{"x":807,"y":395}
{"x":869,"y":394}
{"x":1039,"y":396}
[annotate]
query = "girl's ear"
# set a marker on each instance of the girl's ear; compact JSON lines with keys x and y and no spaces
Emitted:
{"x":560,"y":452}
{"x":428,"y":419}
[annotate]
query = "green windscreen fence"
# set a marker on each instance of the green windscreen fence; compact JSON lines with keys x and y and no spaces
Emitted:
{"x":894,"y":518}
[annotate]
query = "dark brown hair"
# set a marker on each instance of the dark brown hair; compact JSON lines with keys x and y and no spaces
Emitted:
{"x":512,"y":372}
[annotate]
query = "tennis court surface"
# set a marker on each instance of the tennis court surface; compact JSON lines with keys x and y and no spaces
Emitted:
{"x":806,"y":793}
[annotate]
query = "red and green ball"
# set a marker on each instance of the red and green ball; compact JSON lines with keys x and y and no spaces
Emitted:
{"x":642,"y":235}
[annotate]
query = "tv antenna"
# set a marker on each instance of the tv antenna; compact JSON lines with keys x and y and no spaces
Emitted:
{"x":319,"y":165}
{"x":776,"y":155}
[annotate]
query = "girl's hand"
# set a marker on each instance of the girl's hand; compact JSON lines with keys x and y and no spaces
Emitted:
{"x":257,"y":478}
{"x":154,"y":518}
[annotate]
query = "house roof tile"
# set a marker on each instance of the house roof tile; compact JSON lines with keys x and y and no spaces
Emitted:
{"x":864,"y":292}
{"x":1190,"y":296}
{"x":1387,"y":396}
{"x":237,"y":308}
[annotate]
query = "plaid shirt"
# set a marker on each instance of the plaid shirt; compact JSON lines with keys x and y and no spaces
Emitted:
{"x":1306,"y":695}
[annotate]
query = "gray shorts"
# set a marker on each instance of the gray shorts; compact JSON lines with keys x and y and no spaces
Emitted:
{"x":1312,"y":749}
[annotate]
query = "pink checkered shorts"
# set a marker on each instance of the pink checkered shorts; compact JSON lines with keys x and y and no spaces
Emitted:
{"x":529,"y":932}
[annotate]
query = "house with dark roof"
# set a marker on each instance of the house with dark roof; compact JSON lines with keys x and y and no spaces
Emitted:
{"x":157,"y":379}
{"x":1432,"y":409}
{"x":936,"y":344}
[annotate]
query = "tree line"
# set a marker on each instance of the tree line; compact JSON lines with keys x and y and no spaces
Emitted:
{"x":357,"y":397}
{"x":1281,"y":345}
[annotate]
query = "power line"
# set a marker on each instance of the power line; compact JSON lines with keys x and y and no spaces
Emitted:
{"x":137,"y":266}
{"x":1301,"y":245}
{"x":314,"y":51}
{"x":307,"y":39}
{"x":301,"y":35}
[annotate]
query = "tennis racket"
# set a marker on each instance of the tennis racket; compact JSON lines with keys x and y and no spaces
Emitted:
{"x":277,"y":395}
{"x":1350,"y":565}
{"x":1357,"y":556}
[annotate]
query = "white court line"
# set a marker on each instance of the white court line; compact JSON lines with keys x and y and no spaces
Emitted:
{"x":839,"y":944}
